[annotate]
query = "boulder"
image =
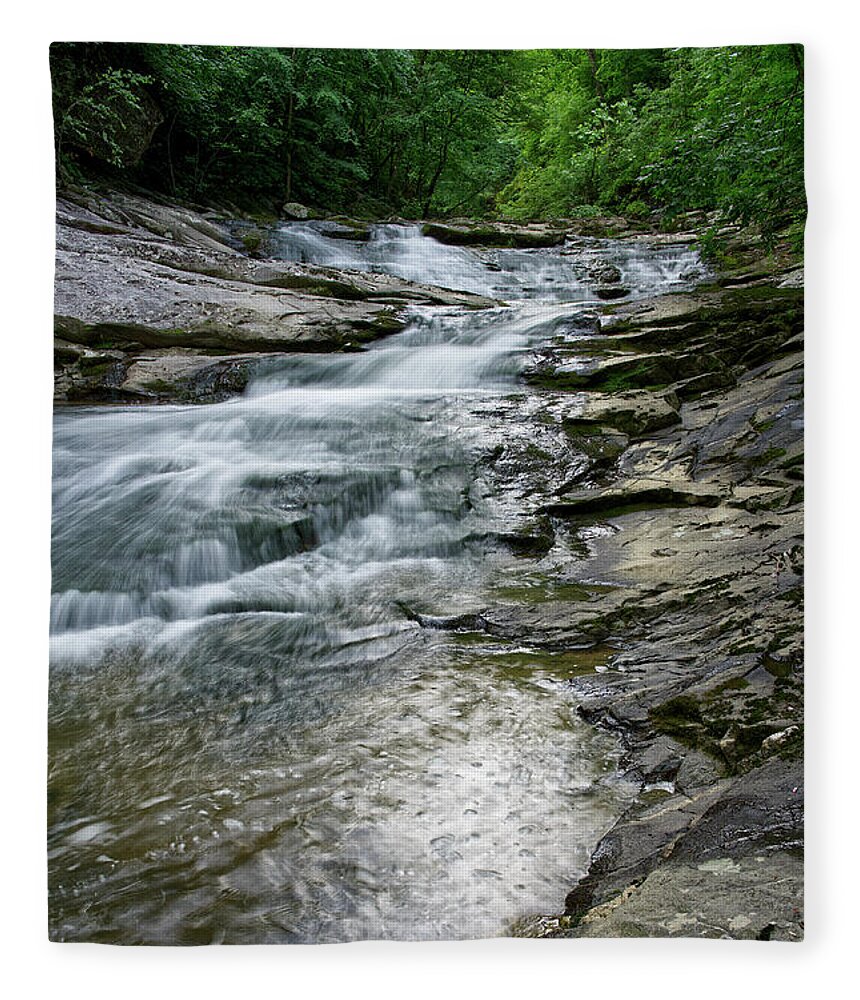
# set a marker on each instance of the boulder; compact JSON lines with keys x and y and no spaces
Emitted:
{"x":632,"y":496}
{"x":116,"y":125}
{"x":495,"y":235}
{"x":794,"y":279}
{"x":188,"y":377}
{"x":295,"y":210}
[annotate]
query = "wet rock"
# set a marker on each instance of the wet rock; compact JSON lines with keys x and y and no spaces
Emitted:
{"x":605,"y":273}
{"x":793,"y":279}
{"x":642,"y":494}
{"x":262,"y":534}
{"x":635,"y":846}
{"x":347,"y":229}
{"x":608,"y":292}
{"x":656,"y":370}
{"x":762,"y":810}
{"x":754,"y":899}
{"x":701,"y":516}
{"x":633,"y":413}
{"x":188,"y":377}
{"x":697,"y":771}
{"x":448,"y":623}
{"x":726,"y":830}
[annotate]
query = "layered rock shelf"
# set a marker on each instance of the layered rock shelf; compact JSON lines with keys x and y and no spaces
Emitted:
{"x":153,"y":303}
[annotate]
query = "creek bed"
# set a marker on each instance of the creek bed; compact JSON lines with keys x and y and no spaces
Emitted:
{"x":250,"y":739}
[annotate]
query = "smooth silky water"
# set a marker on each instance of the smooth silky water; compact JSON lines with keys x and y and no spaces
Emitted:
{"x":251,"y":740}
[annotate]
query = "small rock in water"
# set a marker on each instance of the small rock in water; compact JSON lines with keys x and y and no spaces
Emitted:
{"x":606,"y":274}
{"x":611,"y":292}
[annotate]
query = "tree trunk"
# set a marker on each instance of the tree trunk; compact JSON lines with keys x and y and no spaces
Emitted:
{"x":434,"y":180}
{"x":592,"y":62}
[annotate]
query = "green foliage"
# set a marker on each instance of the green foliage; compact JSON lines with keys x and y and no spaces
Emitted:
{"x":636,"y":209}
{"x":738,"y":145}
{"x":103,"y":113}
{"x":675,"y":130}
{"x":526,"y":134}
{"x":585,"y":212}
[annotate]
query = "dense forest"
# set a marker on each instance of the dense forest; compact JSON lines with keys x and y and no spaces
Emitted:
{"x":512,"y":134}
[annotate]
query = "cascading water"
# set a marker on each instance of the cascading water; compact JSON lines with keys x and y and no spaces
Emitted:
{"x":250,"y":739}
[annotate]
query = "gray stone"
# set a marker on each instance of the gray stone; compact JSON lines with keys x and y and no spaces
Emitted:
{"x":756,"y":898}
{"x":295,"y":210}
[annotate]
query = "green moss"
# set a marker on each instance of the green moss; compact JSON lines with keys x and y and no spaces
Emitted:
{"x":252,"y":240}
{"x":780,"y":668}
{"x":649,"y":374}
{"x":765,"y":425}
{"x":685,"y":719}
{"x":160,"y":386}
{"x":766,"y":457}
{"x":679,"y":711}
{"x":640,"y":377}
{"x":315,"y":285}
{"x":385,"y":322}
{"x":577,"y":428}
{"x":735,"y":684}
{"x":96,"y":367}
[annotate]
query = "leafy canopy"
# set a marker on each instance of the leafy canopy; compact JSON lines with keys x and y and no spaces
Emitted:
{"x":433,"y":132}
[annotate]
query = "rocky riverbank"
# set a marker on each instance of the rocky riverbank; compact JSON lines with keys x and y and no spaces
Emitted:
{"x":156,"y":302}
{"x":686,"y":525}
{"x":651,"y":480}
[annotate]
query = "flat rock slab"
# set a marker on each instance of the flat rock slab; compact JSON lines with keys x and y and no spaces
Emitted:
{"x":630,"y":412}
{"x":189,"y":377}
{"x":667,"y":851}
{"x":633,"y":495}
{"x":755,"y":898}
{"x":103,"y":294}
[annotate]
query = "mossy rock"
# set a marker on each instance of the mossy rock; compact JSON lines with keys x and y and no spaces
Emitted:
{"x":489,"y":237}
{"x":252,"y":240}
{"x":316,"y":285}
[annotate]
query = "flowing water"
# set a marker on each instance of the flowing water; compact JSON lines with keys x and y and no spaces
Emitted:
{"x":252,"y":740}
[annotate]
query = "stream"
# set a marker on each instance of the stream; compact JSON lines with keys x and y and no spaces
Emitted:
{"x":252,"y":738}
